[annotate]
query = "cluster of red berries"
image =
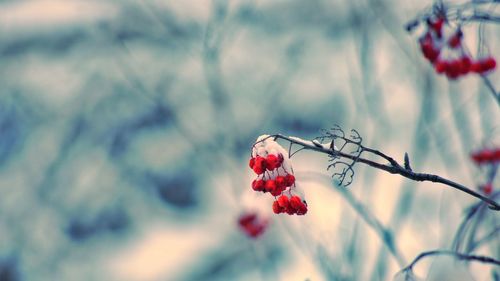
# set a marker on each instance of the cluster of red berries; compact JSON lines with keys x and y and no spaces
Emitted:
{"x":274,"y":175}
{"x":252,"y":225}
{"x":491,"y":159}
{"x":448,"y":55}
{"x":274,"y":185}
{"x":486,"y":156}
{"x":290,"y":205}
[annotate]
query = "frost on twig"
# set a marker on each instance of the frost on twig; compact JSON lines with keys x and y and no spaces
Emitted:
{"x":342,"y":168}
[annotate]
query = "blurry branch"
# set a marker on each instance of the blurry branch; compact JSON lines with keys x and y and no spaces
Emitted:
{"x":490,"y":87}
{"x":460,"y":256}
{"x":392,"y":166}
{"x":384,"y":233}
{"x":469,"y":226}
{"x":488,"y":237}
{"x":481,"y":17}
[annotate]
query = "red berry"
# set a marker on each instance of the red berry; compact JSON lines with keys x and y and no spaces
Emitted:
{"x":276,"y":192}
{"x":290,"y":180}
{"x":441,"y":66}
{"x":295,"y":202}
{"x":252,"y":225}
{"x":280,"y":159}
{"x":487,"y":188}
{"x":484,"y":65}
{"x":476,"y":67}
{"x":289,"y":210}
{"x":251,"y":163}
{"x":283,"y":201}
{"x":465,"y":65}
{"x":280,"y":182}
{"x":259,"y":185}
{"x":438,"y":25}
{"x":489,"y":64}
{"x":272,"y":162}
{"x":483,"y":156}
{"x":453,"y":69}
{"x":270,"y":185}
{"x":455,"y":40}
{"x":259,"y":165}
{"x":276,"y":208}
{"x":430,"y":53}
{"x":246,"y":219}
{"x":302,"y":210}
{"x":496,"y":155}
{"x":255,"y":230}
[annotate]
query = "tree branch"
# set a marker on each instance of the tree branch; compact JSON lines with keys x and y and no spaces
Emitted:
{"x":393,"y":167}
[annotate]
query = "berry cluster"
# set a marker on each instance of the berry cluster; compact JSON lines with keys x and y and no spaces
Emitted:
{"x":290,"y":205}
{"x":252,"y":225}
{"x":486,"y":156}
{"x":448,"y":54}
{"x":274,"y":175}
{"x":490,"y":160}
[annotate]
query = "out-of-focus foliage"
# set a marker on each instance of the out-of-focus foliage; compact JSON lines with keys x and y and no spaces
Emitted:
{"x":126,"y":127}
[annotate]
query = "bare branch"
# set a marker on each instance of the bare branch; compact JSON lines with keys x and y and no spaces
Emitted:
{"x":393,"y":167}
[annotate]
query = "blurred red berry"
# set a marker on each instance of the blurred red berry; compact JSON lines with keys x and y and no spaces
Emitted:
{"x":455,"y":40}
{"x":484,"y":65}
{"x":486,"y":156}
{"x":436,"y":25}
{"x":441,"y":66}
{"x":465,"y":65}
{"x":487,"y":188}
{"x":489,"y":64}
{"x":246,"y":219}
{"x":475,"y":67}
{"x":252,"y":225}
{"x":453,"y":69}
{"x":428,"y":50}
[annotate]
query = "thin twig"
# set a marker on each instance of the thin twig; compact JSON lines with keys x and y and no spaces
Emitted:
{"x":490,"y":86}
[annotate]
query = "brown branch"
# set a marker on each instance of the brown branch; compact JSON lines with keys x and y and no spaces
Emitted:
{"x":393,"y":167}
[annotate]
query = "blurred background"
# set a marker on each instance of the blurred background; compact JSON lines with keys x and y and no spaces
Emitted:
{"x":126,"y":129}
